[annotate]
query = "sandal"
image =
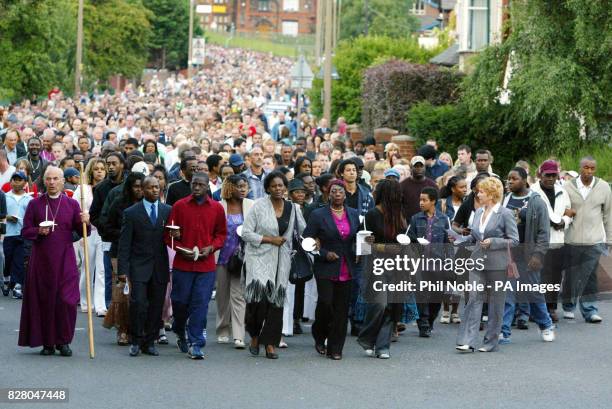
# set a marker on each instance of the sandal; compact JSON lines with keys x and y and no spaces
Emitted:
{"x":122,"y":339}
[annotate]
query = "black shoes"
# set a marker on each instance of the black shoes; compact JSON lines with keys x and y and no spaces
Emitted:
{"x":254,"y":350}
{"x":297,"y":328}
{"x":335,"y":357}
{"x":181,"y":343}
{"x":47,"y":350}
{"x":522,"y":324}
{"x":5,"y":289}
{"x":150,"y":351}
{"x":321,"y":349}
{"x":425,"y":332}
{"x":134,"y":350}
{"x":64,"y":350}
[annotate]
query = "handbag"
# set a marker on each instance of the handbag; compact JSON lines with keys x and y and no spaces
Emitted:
{"x":512,"y":270}
{"x":301,"y":262}
{"x":236,"y":260}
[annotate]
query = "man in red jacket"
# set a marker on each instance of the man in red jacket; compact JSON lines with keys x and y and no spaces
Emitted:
{"x":202,"y":232}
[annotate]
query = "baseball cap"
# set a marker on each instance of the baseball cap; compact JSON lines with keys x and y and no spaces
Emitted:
{"x":549,"y":166}
{"x":141,"y":167}
{"x":417,"y":159}
{"x":70,"y":172}
{"x":392,"y":172}
{"x":19,"y":174}
{"x":236,"y":160}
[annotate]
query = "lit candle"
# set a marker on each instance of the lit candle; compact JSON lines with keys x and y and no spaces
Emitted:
{"x":46,"y":212}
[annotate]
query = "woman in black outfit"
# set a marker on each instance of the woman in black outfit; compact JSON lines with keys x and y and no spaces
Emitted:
{"x":385,"y":221}
{"x":335,"y":229}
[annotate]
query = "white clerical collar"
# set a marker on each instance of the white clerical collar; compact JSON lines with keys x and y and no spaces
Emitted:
{"x":55,"y":196}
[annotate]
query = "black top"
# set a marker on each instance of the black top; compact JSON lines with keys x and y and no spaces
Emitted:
{"x":352,"y":199}
{"x":411,"y":194}
{"x":283,"y":221}
{"x":462,"y":217}
{"x":177,"y":191}
{"x":375,"y":222}
{"x":550,"y":194}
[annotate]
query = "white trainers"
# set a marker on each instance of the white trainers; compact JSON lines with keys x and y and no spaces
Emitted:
{"x":445,"y":318}
{"x":223,"y":340}
{"x":384,"y":355}
{"x":239,"y":344}
{"x":595,"y":319}
{"x":548,"y":334}
{"x":455,"y":319}
{"x":568,"y":315}
{"x":369,"y":352}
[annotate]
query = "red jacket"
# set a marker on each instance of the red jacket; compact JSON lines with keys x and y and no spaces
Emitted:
{"x":201,"y":225}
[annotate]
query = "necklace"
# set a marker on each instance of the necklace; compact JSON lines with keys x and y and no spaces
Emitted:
{"x":34,"y":168}
{"x":53,"y":215}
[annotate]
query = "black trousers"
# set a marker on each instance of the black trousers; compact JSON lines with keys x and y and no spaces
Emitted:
{"x":264,"y":320}
{"x":331,"y":315}
{"x":427,"y":314}
{"x":298,"y":303}
{"x":552,"y":273}
{"x":146,"y":305}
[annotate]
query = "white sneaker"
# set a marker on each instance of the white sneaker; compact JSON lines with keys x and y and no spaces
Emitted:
{"x":595,"y":319}
{"x":214,"y":295}
{"x":384,"y":355}
{"x":548,"y":334}
{"x":455,"y":319}
{"x":223,"y":340}
{"x":445,"y":318}
{"x":568,"y":315}
{"x":369,"y":352}
{"x":239,"y":344}
{"x":485,"y":318}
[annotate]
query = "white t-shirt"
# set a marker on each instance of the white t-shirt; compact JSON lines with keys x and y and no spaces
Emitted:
{"x":6,"y":176}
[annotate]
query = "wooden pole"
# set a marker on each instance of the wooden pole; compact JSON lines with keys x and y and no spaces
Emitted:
{"x":92,"y":353}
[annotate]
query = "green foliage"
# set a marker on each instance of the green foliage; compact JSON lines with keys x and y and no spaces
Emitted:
{"x":562,"y":76}
{"x":117,"y":34}
{"x":571,"y":160}
{"x":35,"y":38}
{"x":169,"y":43}
{"x":351,"y":59}
{"x":390,"y":18}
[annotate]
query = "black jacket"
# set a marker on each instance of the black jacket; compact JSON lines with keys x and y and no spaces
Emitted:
{"x":142,"y":252}
{"x":321,"y":225}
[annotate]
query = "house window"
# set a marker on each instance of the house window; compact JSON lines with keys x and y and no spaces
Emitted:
{"x":263,"y":5}
{"x":479,"y":17}
{"x":291,"y":5}
{"x":418,"y":7}
{"x":290,"y":28}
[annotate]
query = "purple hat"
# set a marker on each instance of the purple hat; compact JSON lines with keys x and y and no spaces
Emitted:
{"x":549,"y":166}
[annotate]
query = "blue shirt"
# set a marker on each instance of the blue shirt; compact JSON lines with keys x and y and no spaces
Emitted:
{"x":16,"y":206}
{"x":256,"y":186}
{"x":148,"y":205}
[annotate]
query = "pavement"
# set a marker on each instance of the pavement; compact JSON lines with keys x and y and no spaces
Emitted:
{"x":575,"y":371}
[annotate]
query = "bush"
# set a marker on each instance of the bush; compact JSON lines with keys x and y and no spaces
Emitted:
{"x":351,"y":59}
{"x":392,"y":88}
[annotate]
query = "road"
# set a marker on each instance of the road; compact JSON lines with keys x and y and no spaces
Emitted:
{"x":572,"y":372}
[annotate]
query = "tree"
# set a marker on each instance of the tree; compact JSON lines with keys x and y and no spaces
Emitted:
{"x":117,"y":34}
{"x":169,"y":41}
{"x":351,"y":59}
{"x":390,"y":18}
{"x":35,"y":44}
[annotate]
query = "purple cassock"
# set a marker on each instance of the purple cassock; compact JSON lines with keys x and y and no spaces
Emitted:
{"x":51,"y":293}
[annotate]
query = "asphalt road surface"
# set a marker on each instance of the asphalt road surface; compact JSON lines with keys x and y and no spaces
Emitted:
{"x":575,"y":371}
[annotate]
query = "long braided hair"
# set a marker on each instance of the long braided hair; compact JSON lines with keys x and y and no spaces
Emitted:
{"x":389,"y":197}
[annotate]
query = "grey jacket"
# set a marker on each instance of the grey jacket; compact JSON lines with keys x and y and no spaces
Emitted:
{"x":502,"y":231}
{"x":537,"y":227}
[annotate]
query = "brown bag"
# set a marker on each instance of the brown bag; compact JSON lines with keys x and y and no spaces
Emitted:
{"x":512,"y":270}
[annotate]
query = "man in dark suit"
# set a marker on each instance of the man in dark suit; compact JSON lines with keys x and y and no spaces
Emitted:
{"x":144,"y":260}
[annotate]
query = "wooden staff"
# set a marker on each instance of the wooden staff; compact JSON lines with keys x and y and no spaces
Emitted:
{"x":92,"y":353}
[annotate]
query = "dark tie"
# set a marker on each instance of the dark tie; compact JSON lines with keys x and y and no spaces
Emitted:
{"x":153,"y":215}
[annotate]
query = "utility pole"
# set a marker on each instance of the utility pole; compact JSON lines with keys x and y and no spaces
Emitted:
{"x":338,"y":17}
{"x":79,"y":52}
{"x":319,"y":29}
{"x":366,"y":13}
{"x":189,"y":62}
{"x":334,"y":23}
{"x":327,"y":73}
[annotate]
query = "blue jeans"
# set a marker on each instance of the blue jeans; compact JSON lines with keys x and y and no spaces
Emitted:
{"x":108,"y":278}
{"x":191,"y":293}
{"x":535,"y":300}
{"x":581,"y":279}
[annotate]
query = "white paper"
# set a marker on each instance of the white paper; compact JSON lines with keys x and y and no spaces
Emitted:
{"x":363,"y":248}
{"x":422,"y":240}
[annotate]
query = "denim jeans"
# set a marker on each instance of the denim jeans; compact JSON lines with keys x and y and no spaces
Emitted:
{"x":191,"y":293}
{"x":581,"y":278}
{"x":535,"y":300}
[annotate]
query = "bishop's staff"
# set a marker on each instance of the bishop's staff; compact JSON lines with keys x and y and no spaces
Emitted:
{"x":87,"y":273}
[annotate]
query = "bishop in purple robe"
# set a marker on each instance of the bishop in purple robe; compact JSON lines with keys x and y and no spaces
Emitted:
{"x":51,"y":294}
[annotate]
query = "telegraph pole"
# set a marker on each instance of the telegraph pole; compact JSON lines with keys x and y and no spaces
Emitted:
{"x":79,"y":52}
{"x":327,"y":73}
{"x":319,"y":29}
{"x":190,"y":39}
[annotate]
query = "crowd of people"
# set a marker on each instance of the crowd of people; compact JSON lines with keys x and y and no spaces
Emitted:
{"x":190,"y":192}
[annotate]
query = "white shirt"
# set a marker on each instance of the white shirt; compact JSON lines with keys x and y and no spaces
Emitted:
{"x":584,"y":190}
{"x":6,"y":176}
{"x":483,"y":223}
